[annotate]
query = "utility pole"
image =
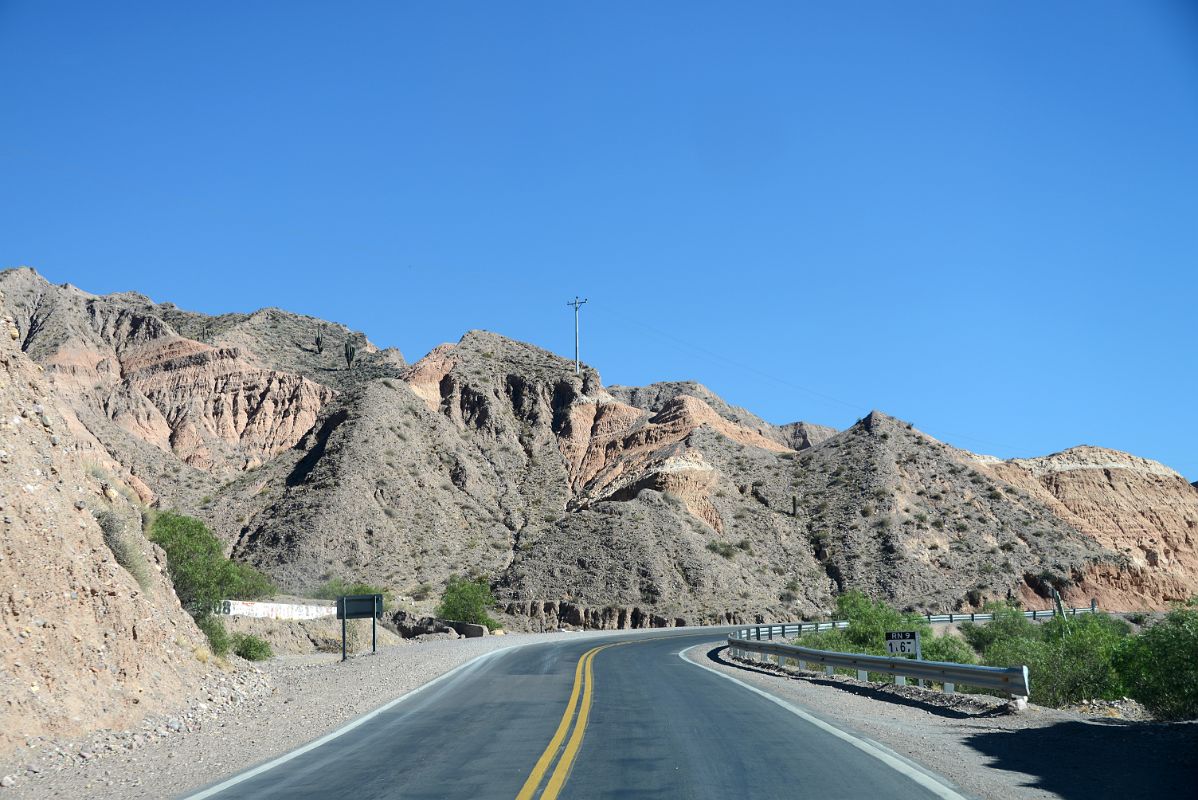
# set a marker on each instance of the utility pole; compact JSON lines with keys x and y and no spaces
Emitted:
{"x":576,"y":303}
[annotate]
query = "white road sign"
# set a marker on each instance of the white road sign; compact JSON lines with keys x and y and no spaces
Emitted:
{"x":902,"y":642}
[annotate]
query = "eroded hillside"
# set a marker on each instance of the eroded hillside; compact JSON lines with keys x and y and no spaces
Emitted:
{"x":584,"y":504}
{"x":84,"y":644}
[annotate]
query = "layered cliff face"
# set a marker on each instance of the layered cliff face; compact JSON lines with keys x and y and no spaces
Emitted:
{"x":169,"y":405}
{"x":585,"y":504}
{"x":1132,"y":506}
{"x":83,"y":644}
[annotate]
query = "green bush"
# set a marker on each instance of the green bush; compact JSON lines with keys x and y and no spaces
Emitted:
{"x":467,"y":601}
{"x":1068,"y":659}
{"x":336,"y":587}
{"x":198,"y":568}
{"x":722,"y":549}
{"x":251,"y":648}
{"x":214,"y":629}
{"x":948,"y":648}
{"x":123,"y":549}
{"x":1008,"y":623}
{"x":869,"y":620}
{"x":1160,"y":666}
{"x":835,"y":639}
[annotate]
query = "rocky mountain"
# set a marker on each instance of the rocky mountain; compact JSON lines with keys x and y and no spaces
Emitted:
{"x":585,"y":504}
{"x":85,"y":643}
{"x":1135,"y":507}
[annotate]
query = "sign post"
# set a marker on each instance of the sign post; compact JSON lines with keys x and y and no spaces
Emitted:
{"x":360,"y":606}
{"x":903,"y":643}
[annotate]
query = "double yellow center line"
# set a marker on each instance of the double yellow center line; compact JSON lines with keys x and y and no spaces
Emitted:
{"x":584,"y":685}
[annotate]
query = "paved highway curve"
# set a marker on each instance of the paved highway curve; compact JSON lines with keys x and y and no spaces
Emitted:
{"x":613,"y":716}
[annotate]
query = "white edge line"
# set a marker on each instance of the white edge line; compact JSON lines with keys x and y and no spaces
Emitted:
{"x":328,"y":737}
{"x":924,"y":779}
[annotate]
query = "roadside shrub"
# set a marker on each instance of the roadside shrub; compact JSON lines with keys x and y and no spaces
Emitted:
{"x":1008,"y":623}
{"x":201,"y":574}
{"x":214,"y":629}
{"x":467,"y":601}
{"x":336,"y":587}
{"x":1160,"y":666}
{"x":1068,"y":660}
{"x":251,"y":648}
{"x":948,"y":648}
{"x":834,"y":639}
{"x":869,"y":620}
{"x":123,"y":549}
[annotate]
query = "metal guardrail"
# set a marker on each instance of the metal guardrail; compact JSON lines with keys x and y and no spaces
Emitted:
{"x":783,"y":630}
{"x":986,"y":617}
{"x":1011,"y":680}
{"x":760,"y":639}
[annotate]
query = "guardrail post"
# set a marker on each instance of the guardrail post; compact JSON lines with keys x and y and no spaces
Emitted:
{"x":829,"y":670}
{"x":771,"y":633}
{"x":900,"y":680}
{"x":802,"y":665}
{"x":948,"y":688}
{"x":862,"y":675}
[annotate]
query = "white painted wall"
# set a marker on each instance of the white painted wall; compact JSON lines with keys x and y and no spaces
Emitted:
{"x":246,"y":608}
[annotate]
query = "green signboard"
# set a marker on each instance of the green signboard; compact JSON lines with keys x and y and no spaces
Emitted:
{"x":359,"y":606}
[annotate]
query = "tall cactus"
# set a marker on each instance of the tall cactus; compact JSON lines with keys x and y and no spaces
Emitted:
{"x":320,"y":341}
{"x":351,"y":350}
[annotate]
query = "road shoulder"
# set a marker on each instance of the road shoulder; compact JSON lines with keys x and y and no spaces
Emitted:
{"x":986,"y":752}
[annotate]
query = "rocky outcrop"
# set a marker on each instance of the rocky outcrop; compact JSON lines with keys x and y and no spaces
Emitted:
{"x":1135,"y":507}
{"x":654,"y":398}
{"x":85,"y":643}
{"x":411,"y":625}
{"x":128,"y":374}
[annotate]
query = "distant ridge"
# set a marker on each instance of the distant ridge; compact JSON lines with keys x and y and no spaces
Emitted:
{"x":314,"y":454}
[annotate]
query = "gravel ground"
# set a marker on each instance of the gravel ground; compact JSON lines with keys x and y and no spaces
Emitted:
{"x":987,"y":750}
{"x":250,"y":714}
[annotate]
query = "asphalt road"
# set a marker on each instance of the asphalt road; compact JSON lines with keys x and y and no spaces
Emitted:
{"x":620,"y":716}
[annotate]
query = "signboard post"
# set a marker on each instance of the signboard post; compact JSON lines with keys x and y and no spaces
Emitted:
{"x":360,"y":606}
{"x":903,"y":643}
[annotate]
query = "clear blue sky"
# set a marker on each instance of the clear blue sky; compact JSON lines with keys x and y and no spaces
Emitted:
{"x":982,"y":216}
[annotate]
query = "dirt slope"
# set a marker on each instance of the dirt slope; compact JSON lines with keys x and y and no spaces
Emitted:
{"x":82,"y":645}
